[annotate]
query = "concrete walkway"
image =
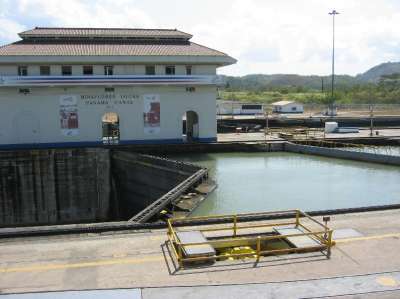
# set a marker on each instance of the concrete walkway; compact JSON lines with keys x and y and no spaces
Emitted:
{"x":367,"y":243}
{"x":378,"y":285}
{"x":260,"y":136}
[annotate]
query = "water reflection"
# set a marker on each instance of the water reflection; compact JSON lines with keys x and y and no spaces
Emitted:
{"x":249,"y":182}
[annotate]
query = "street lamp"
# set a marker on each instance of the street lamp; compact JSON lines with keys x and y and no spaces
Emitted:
{"x":333,"y":13}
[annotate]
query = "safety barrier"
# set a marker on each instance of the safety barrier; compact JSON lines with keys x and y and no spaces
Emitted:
{"x":322,"y":236}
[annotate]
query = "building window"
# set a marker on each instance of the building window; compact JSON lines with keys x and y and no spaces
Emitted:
{"x":150,"y":70}
{"x":88,"y":70}
{"x":170,"y":70}
{"x":22,"y":71}
{"x":188,"y":70}
{"x":44,"y":70}
{"x":108,"y":70}
{"x":66,"y":70}
{"x":109,"y":89}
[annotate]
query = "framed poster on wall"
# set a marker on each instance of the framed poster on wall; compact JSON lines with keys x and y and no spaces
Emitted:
{"x":151,"y":113}
{"x":69,"y":115}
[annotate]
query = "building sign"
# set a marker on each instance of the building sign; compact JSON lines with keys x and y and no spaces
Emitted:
{"x":151,"y":113}
{"x":69,"y":115}
{"x":109,"y":99}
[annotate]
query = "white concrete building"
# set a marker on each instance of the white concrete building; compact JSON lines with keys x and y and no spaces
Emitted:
{"x":89,"y":86}
{"x":237,"y":108}
{"x":287,"y":107}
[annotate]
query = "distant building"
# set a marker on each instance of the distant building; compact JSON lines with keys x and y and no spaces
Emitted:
{"x":91,"y":86}
{"x":237,"y":108}
{"x":287,"y":107}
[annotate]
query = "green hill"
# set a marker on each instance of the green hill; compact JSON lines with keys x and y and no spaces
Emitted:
{"x":293,"y":82}
{"x":380,"y":84}
{"x":374,"y":74}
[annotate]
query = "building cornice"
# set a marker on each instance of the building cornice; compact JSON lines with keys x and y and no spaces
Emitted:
{"x":33,"y":81}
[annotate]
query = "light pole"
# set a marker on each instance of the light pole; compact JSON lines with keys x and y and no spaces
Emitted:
{"x":333,"y":13}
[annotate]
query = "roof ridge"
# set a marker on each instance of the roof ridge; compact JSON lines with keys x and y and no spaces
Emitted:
{"x":106,"y":28}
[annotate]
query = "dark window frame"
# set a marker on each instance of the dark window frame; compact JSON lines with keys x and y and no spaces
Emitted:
{"x":189,"y":70}
{"x":22,"y":70}
{"x":44,"y":73}
{"x":87,"y":70}
{"x":171,"y":68}
{"x":148,"y":68}
{"x":108,"y":70}
{"x":252,"y":107}
{"x":64,"y":72}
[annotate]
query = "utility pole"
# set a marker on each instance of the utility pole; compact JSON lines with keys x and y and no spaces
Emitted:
{"x":371,"y":115}
{"x":333,"y":14}
{"x":266,"y":129}
{"x":322,"y":85}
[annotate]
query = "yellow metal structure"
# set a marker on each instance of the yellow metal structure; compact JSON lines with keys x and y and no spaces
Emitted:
{"x":232,"y":229}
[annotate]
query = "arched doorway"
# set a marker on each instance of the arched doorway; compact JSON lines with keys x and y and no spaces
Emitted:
{"x":190,"y":131}
{"x":110,"y":128}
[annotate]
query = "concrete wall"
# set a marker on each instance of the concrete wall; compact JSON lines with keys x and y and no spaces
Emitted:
{"x":54,"y":187}
{"x":140,"y":180}
{"x":341,"y":154}
{"x":48,"y":187}
{"x":33,"y":120}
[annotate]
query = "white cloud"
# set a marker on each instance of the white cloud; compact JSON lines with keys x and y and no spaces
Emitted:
{"x":301,"y":32}
{"x":9,"y":29}
{"x":266,"y":36}
{"x":103,"y":13}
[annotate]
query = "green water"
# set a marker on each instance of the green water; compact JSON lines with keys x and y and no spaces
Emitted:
{"x":254,"y":182}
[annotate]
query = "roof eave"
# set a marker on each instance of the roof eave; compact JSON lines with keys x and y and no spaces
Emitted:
{"x":219,"y":60}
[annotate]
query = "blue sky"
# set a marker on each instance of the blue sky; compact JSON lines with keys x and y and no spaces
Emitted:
{"x":266,"y":36}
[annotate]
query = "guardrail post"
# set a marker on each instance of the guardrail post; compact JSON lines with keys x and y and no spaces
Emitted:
{"x":297,"y":218}
{"x":328,"y":255}
{"x":169,"y":227}
{"x":180,"y":256}
{"x":234,"y":225}
{"x":258,"y":247}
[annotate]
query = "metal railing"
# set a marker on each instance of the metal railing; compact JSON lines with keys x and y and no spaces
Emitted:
{"x":322,"y":236}
{"x":169,"y":197}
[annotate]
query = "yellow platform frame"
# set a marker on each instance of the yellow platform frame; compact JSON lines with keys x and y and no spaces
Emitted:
{"x":323,"y":235}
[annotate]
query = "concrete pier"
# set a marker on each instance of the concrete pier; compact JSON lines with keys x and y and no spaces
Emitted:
{"x":364,"y":260}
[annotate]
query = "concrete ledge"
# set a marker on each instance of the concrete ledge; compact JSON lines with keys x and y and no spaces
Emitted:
{"x":341,"y":154}
{"x":80,"y":228}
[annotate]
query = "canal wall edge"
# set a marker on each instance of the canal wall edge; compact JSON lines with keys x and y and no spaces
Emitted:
{"x":341,"y":154}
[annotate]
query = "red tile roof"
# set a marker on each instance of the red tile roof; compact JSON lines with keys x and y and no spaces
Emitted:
{"x":46,"y":41}
{"x":106,"y":49}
